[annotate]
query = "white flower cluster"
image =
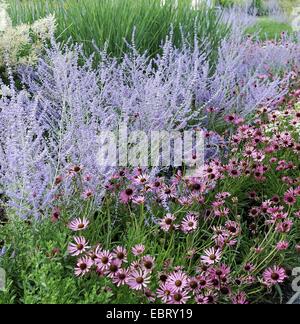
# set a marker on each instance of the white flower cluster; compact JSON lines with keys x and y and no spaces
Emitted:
{"x":22,"y":44}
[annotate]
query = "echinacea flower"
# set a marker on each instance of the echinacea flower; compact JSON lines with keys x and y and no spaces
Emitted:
{"x":149,"y":295}
{"x":121,"y":277}
{"x":221,"y":271}
{"x":112,"y":269}
{"x":289,"y":197}
{"x":83,"y":266}
{"x":282,"y":246}
{"x":167,"y":192}
{"x":193,"y":285}
{"x":177,"y":281}
{"x":138,"y":249}
{"x":204,"y":281}
{"x":201,"y":300}
{"x":249,"y":267}
{"x":126,"y":195}
{"x":87,"y":194}
{"x":179,"y":298}
{"x":104,"y":260}
{"x":233,"y":228}
{"x":79,"y":247}
{"x":142,"y":179}
{"x":148,"y":263}
{"x":239,"y":299}
{"x":167,"y":223}
{"x":274,"y":276}
{"x":189,"y":224}
{"x":164,"y":292}
{"x":120,"y":253}
{"x":78,"y":224}
{"x":138,"y":279}
{"x":55,"y":215}
{"x":211,"y":256}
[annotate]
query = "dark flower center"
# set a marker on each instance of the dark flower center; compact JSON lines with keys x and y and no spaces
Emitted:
{"x":169,"y":221}
{"x":113,"y":268}
{"x":80,"y":247}
{"x":196,"y":186}
{"x":120,"y":255}
{"x":224,"y":290}
{"x":178,"y":297}
{"x":148,"y":264}
{"x":104,"y":260}
{"x":202,"y":282}
{"x":163,"y":278}
{"x":275,"y":276}
{"x":129,"y":192}
{"x":178,"y":283}
{"x":212,"y":257}
{"x":193,"y":284}
{"x":140,"y":280}
{"x":83,"y":266}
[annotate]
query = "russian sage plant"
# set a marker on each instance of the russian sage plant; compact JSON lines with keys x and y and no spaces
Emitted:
{"x":54,"y":123}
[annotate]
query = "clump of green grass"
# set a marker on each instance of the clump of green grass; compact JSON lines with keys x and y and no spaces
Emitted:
{"x":266,"y":28}
{"x":112,"y":21}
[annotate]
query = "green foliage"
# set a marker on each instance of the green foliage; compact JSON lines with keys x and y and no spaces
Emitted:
{"x":36,"y":274}
{"x":113,"y":21}
{"x":267,"y":28}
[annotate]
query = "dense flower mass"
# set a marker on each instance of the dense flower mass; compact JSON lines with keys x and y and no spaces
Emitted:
{"x":195,"y":207}
{"x":225,"y":231}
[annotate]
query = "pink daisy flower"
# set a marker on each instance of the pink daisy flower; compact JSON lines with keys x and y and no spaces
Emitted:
{"x":177,"y":281}
{"x":167,"y":223}
{"x":179,"y":298}
{"x":167,"y":192}
{"x":282,"y":246}
{"x":78,"y":224}
{"x":138,"y":279}
{"x":289,"y":197}
{"x":79,"y":247}
{"x":121,"y":277}
{"x":193,"y":285}
{"x":240,"y":299}
{"x":87,"y":194}
{"x":83,"y":266}
{"x":233,"y":228}
{"x":285,"y":226}
{"x":189,"y":224}
{"x":120,"y":253}
{"x":223,"y":271}
{"x":126,"y":195}
{"x":201,"y":300}
{"x":274,"y":276}
{"x":149,"y":295}
{"x":113,"y":268}
{"x":164,"y":292}
{"x":138,"y":249}
{"x":204,"y":281}
{"x":249,"y":267}
{"x":148,"y":263}
{"x":104,"y":260}
{"x":139,"y":200}
{"x":94,"y":253}
{"x":211,"y":256}
{"x":142,"y":179}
